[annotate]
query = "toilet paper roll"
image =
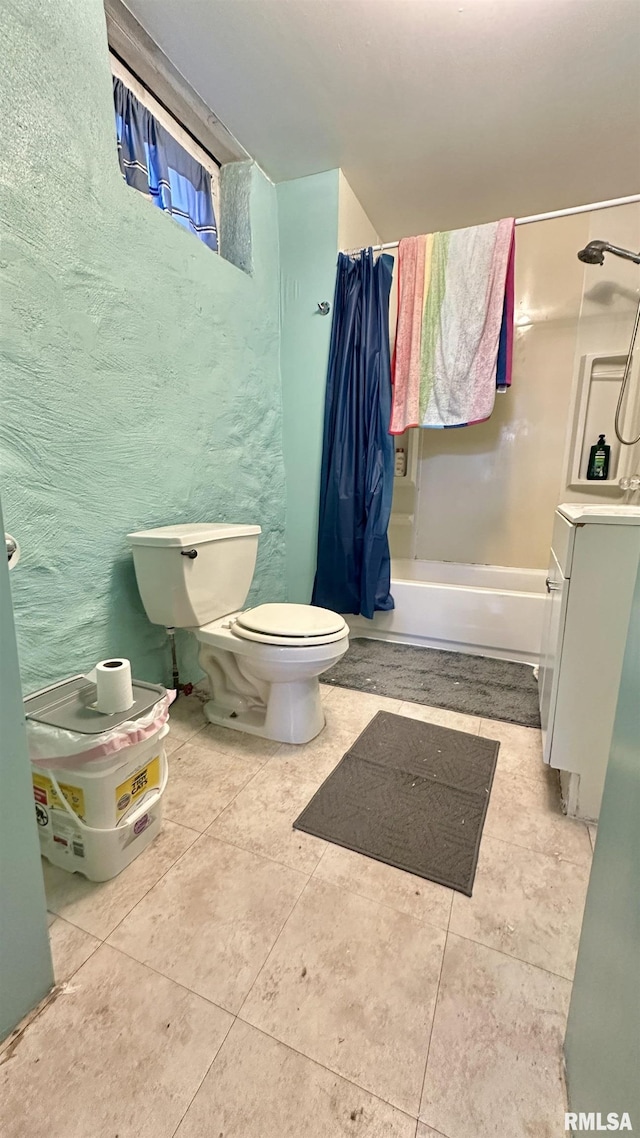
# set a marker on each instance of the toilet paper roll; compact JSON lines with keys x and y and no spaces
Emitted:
{"x":113,"y":684}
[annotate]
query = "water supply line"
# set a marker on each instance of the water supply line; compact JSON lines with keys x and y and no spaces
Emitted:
{"x":625,"y":379}
{"x":593,"y":254}
{"x":186,"y":689}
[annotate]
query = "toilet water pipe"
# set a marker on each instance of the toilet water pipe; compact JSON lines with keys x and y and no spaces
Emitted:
{"x":186,"y":689}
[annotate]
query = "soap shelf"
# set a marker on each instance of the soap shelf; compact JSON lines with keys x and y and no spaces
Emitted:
{"x":600,"y":483}
{"x":409,"y":442}
{"x":595,"y":401}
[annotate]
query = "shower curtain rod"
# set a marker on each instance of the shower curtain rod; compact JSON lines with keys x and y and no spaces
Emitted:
{"x":630,"y":200}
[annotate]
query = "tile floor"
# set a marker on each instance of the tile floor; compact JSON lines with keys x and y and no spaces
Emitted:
{"x":244,"y":980}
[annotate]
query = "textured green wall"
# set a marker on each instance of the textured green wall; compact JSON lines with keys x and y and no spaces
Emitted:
{"x":602,"y":1044}
{"x":26,"y":974}
{"x":308,"y":219}
{"x":140,"y":372}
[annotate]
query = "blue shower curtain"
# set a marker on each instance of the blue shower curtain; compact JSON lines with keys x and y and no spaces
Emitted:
{"x":356,"y":485}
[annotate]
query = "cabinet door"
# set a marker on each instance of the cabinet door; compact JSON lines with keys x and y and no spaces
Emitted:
{"x":551,"y":650}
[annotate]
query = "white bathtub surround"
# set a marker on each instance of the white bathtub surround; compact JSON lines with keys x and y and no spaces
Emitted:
{"x":485,"y":610}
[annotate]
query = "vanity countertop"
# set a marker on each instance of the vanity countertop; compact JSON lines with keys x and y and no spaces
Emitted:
{"x":612,"y":515}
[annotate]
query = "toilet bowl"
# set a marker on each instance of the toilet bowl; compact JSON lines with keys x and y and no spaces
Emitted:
{"x":267,"y":682}
{"x":263,"y":664}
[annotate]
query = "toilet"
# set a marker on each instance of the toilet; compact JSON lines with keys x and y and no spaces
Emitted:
{"x":262,"y":664}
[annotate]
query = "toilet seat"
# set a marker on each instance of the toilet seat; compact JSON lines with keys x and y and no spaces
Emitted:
{"x":290,"y":625}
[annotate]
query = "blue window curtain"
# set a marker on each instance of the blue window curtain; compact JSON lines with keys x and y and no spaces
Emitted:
{"x":154,"y":163}
{"x":356,"y":481}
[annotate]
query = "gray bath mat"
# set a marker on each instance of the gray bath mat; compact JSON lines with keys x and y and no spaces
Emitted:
{"x":410,"y":794}
{"x":477,"y":685}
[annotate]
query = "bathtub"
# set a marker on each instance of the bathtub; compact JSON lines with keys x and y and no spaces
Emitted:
{"x":486,"y":610}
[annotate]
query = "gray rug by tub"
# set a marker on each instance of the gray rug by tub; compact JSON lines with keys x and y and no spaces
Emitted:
{"x":476,"y":685}
{"x":410,"y":794}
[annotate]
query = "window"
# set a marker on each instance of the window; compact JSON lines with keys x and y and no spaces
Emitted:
{"x":160,"y":159}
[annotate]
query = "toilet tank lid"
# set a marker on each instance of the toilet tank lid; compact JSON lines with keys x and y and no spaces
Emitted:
{"x":190,"y":533}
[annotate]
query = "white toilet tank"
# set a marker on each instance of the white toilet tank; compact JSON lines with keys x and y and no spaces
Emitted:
{"x":189,"y":575}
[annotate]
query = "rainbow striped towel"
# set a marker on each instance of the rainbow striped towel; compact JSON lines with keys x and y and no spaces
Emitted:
{"x":462,"y":283}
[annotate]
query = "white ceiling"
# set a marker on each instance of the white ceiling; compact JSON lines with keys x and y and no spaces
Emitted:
{"x":441,"y":113}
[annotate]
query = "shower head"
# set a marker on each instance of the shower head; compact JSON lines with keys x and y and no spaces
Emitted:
{"x":593,"y":253}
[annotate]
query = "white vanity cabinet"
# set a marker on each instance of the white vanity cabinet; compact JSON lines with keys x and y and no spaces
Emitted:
{"x":592,"y":573}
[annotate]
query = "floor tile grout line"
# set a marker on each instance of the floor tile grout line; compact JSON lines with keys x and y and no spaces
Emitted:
{"x":335,"y":689}
{"x":530,"y":849}
{"x":200,"y":834}
{"x":327,"y":880}
{"x":536,"y":780}
{"x":276,"y":939}
{"x":453,"y":897}
{"x":205,"y":726}
{"x":17,"y":1032}
{"x":161,"y":878}
{"x":327,"y":845}
{"x":266,"y":857}
{"x":437,"y":1133}
{"x":350,"y":892}
{"x":227,"y":804}
{"x":433,"y":1021}
{"x":286,"y":1044}
{"x":510,"y":723}
{"x":446,"y":711}
{"x":327,"y":691}
{"x":189,"y":737}
{"x":511,"y":956}
{"x":531,"y":780}
{"x":232,"y":754}
{"x":234,"y":1018}
{"x":481,"y":720}
{"x":241,"y":791}
{"x":541,"y":853}
{"x":302,"y":774}
{"x":66,"y":979}
{"x":383,"y":904}
{"x":59,"y":985}
{"x":198,"y":1088}
{"x":170,"y":979}
{"x":102,"y":939}
{"x":329,"y":1070}
{"x":222,"y":841}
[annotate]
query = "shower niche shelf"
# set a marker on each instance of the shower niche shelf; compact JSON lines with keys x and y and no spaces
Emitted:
{"x":598,"y":389}
{"x":409,"y":442}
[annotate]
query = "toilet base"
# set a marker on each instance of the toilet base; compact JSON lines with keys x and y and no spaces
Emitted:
{"x":293,"y":713}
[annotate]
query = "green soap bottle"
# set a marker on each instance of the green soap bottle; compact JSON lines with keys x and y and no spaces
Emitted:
{"x":599,"y":460}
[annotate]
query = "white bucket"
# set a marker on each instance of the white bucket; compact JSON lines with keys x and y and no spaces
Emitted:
{"x":95,"y":818}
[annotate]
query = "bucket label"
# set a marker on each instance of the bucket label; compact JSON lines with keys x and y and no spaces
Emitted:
{"x":65,"y":834}
{"x":58,"y":829}
{"x":45,"y":794}
{"x":42,"y":815}
{"x":141,"y":824}
{"x":145,"y":780}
